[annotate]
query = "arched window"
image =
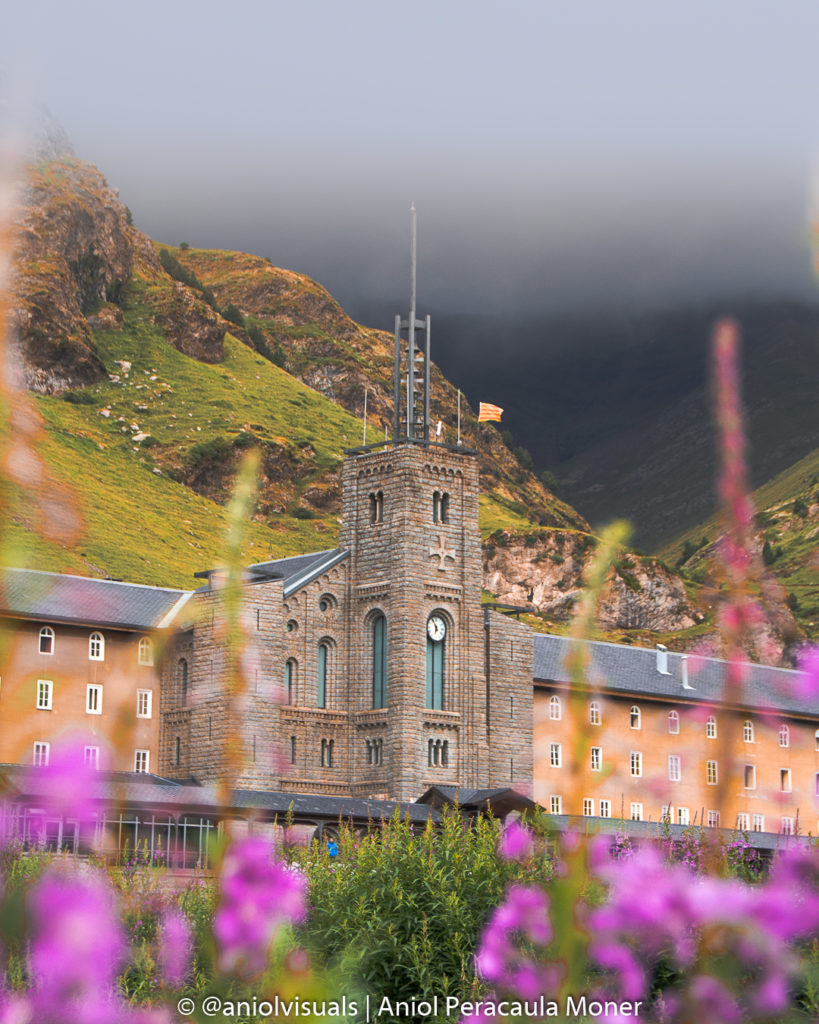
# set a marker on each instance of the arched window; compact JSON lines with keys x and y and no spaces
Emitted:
{"x":182,"y":679}
{"x":554,"y":709}
{"x":444,"y":508}
{"x":146,"y":651}
{"x":634,"y":717}
{"x":179,"y":750}
{"x":96,"y":647}
{"x":379,"y":662}
{"x":748,"y":732}
{"x":323,"y":655}
{"x":784,"y":736}
{"x":290,"y":673}
{"x":377,"y":507}
{"x":594,"y":713}
{"x":436,"y":506}
{"x":46,"y":640}
{"x":673,"y":722}
{"x":711,"y":728}
{"x":435,"y":661}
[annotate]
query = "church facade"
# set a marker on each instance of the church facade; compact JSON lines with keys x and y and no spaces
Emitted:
{"x":371,"y":669}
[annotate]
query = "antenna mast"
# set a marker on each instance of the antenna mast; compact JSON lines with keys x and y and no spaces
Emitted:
{"x":411,"y":363}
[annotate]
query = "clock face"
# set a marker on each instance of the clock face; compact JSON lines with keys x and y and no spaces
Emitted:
{"x":436,"y":628}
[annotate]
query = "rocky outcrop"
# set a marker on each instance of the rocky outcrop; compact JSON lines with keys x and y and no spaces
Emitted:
{"x":73,"y":254}
{"x":192,"y":326}
{"x":545,"y":569}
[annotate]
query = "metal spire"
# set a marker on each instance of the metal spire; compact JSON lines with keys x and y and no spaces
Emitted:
{"x":416,"y":370}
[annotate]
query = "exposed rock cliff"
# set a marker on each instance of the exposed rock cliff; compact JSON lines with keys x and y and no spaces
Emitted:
{"x":545,"y":569}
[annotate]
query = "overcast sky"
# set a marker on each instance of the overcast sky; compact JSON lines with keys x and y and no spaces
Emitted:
{"x":560,"y":154}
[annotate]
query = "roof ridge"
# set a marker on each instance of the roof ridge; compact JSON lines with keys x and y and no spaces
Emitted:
{"x":96,"y":579}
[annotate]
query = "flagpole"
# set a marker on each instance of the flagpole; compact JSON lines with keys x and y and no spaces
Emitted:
{"x":459,"y":416}
{"x":365,"y":417}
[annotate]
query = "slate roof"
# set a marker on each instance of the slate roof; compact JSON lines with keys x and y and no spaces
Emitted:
{"x":56,"y":597}
{"x":633,"y":670}
{"x":500,"y":800}
{"x":299,"y":570}
{"x":135,"y":789}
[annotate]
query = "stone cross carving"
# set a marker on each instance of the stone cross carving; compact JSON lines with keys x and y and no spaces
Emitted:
{"x":442,"y":553}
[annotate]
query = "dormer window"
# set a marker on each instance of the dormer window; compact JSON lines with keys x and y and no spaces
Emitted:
{"x":46,"y":640}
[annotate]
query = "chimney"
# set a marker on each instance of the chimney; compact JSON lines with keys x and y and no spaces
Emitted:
{"x":662,"y":660}
{"x":684,"y":670}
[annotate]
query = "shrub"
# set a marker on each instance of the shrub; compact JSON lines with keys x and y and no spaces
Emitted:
{"x":216,"y":450}
{"x":234,"y":314}
{"x":80,"y":397}
{"x":800,"y":508}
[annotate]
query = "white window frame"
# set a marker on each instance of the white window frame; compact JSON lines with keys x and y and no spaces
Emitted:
{"x":555,"y":805}
{"x":41,"y":753}
{"x":784,"y":736}
{"x":711,"y":728}
{"x":596,"y":759}
{"x":711,"y":773}
{"x":674,"y":768}
{"x":46,"y":633}
{"x":787,"y":826}
{"x":636,"y":764}
{"x":666,"y":813}
{"x":674,"y":723}
{"x":96,"y":689}
{"x":91,"y":758}
{"x":743,"y":822}
{"x":713,"y":819}
{"x":145,"y":651}
{"x":605,"y":808}
{"x":683,"y":816}
{"x":142,"y":761}
{"x":96,"y":647}
{"x":45,"y":694}
{"x":746,"y":776}
{"x":785,"y":780}
{"x":758,"y":822}
{"x":748,"y":731}
{"x":595,"y":717}
{"x":555,"y":755}
{"x":636,"y":811}
{"x":635,"y":717}
{"x":555,"y":709}
{"x":588,"y":807}
{"x":148,"y":694}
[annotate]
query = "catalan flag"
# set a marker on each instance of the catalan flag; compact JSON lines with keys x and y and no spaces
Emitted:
{"x":488,"y":412}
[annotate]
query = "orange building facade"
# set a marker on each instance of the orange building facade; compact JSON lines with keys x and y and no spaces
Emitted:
{"x":657,"y":743}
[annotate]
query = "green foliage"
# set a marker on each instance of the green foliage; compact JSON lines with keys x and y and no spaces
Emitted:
{"x":524,"y":457}
{"x":549,"y":480}
{"x":80,"y":397}
{"x":129,"y":217}
{"x":401,"y":912}
{"x":800,"y":508}
{"x":184,"y":245}
{"x":245,"y":439}
{"x":234,"y":314}
{"x":215,"y":450}
{"x":300,"y":512}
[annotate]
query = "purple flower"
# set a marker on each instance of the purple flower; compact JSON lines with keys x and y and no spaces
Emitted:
{"x":807,"y":682}
{"x":68,"y":783}
{"x":175,"y":946}
{"x":77,"y":950}
{"x":257,"y":895}
{"x":516,"y":842}
{"x":523,"y":914}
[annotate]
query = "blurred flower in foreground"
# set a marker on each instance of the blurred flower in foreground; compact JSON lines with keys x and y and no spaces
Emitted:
{"x":523,"y":914}
{"x":69,"y":783}
{"x":516,"y":842}
{"x":807,"y":682}
{"x":726,"y":945}
{"x":175,"y":948}
{"x":257,"y":895}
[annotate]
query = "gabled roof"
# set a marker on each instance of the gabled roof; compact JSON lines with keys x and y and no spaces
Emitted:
{"x":499,"y":801}
{"x":633,"y":670}
{"x":299,"y":570}
{"x":55,"y":597}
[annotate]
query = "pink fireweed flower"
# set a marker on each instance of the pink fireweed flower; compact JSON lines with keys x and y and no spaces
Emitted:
{"x":77,"y":950}
{"x":257,"y":896}
{"x":175,"y":948}
{"x":68,"y":783}
{"x":659,"y":911}
{"x":516,"y":842}
{"x":806,"y":685}
{"x":523,"y":914}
